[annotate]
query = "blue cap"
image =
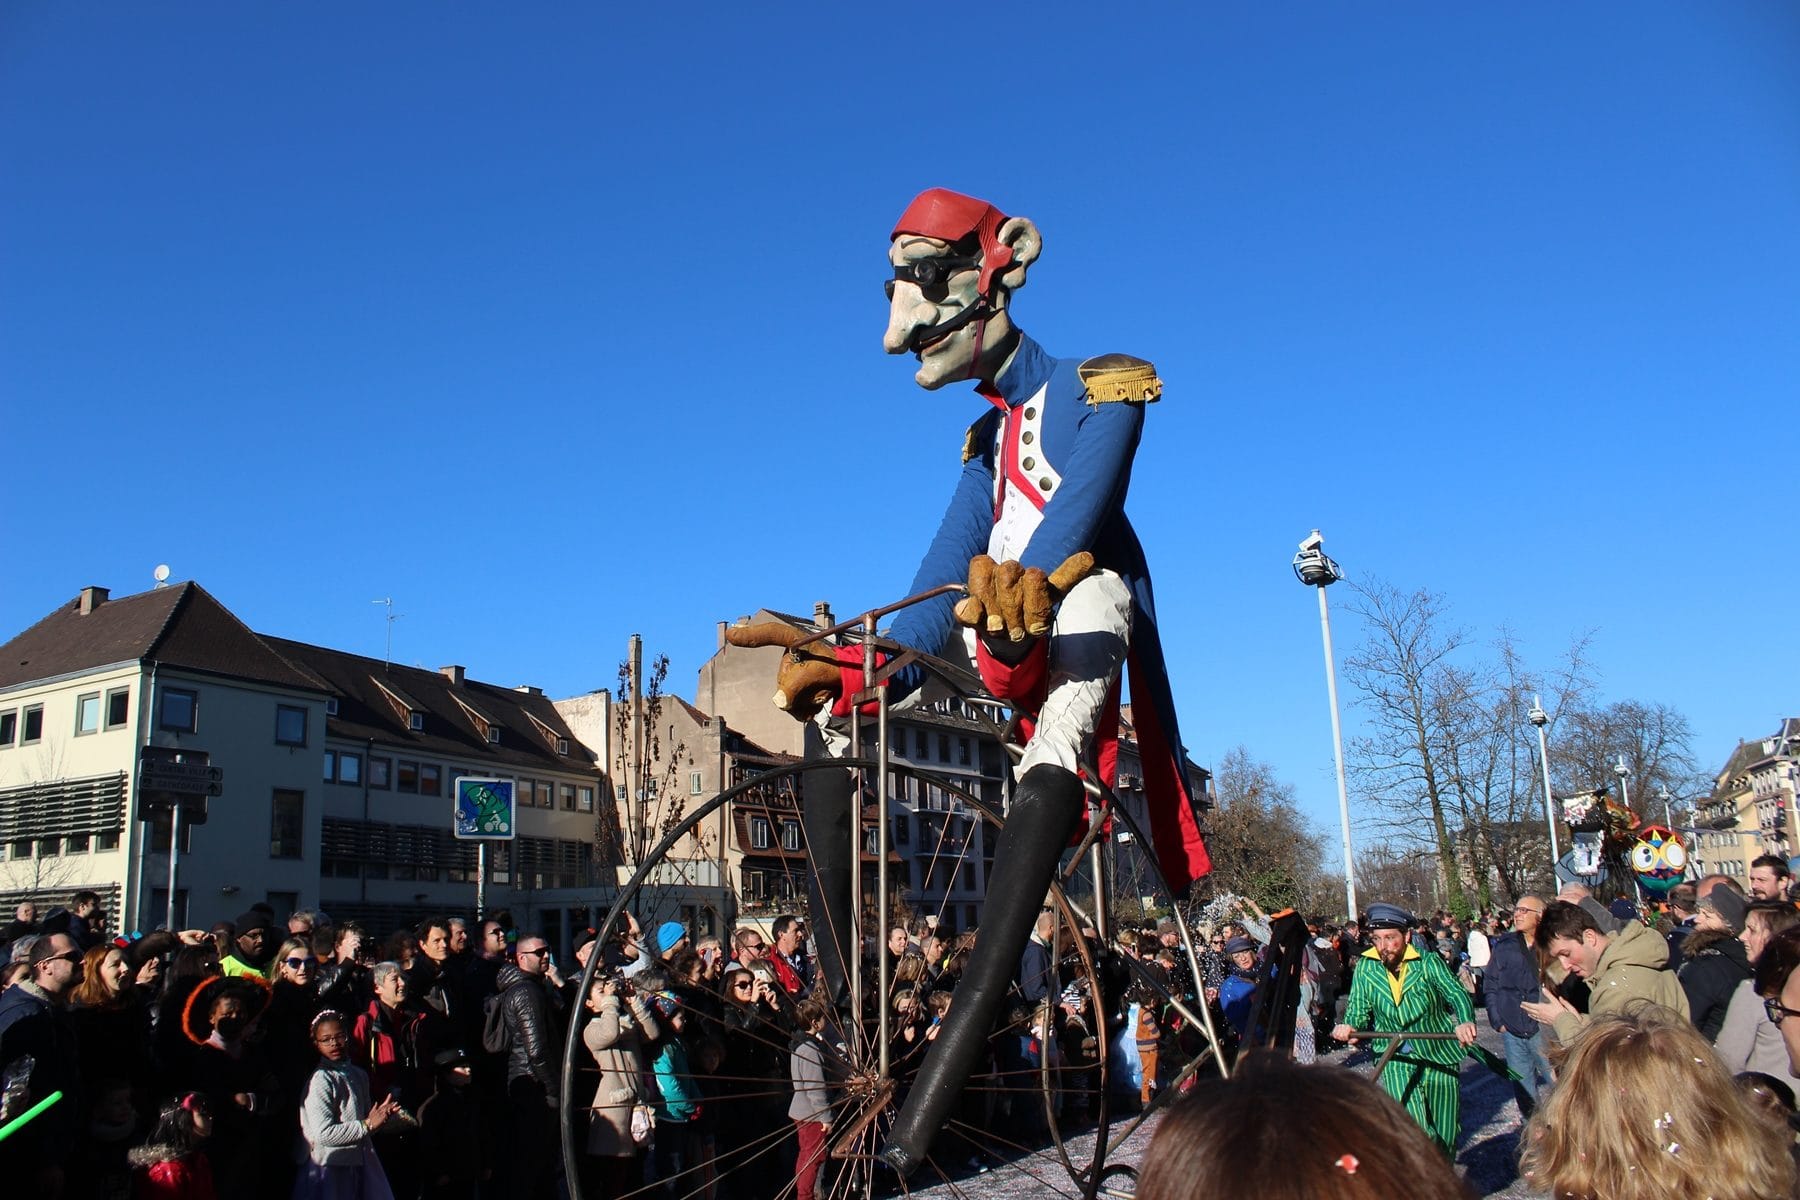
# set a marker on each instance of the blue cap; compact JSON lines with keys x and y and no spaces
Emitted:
{"x":1239,"y":943}
{"x":667,"y":934}
{"x":1388,"y":916}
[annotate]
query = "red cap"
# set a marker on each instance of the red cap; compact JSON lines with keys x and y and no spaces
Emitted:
{"x":950,"y":217}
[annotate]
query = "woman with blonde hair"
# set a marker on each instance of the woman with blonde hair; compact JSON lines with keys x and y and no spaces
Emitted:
{"x":1643,"y":1110}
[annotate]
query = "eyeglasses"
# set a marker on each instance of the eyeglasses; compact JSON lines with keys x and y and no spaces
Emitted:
{"x":1777,"y":1011}
{"x":332,"y":1039}
{"x":742,"y":986}
{"x":298,"y":964}
{"x":539,"y":952}
{"x":930,"y":274}
{"x":70,"y":956}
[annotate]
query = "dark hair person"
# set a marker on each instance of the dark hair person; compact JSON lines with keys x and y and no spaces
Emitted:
{"x":1231,"y":1138}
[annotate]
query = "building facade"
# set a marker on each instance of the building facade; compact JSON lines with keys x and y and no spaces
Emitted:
{"x":1751,"y":809}
{"x":336,"y":774}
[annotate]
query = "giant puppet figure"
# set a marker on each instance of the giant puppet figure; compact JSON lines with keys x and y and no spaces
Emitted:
{"x":1058,"y":601}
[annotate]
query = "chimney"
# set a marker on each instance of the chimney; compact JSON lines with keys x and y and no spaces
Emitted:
{"x":822,"y":615}
{"x":453,"y":674}
{"x":721,"y":645}
{"x":92,"y":598}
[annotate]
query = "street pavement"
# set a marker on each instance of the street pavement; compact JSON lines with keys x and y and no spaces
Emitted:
{"x":1487,"y":1156}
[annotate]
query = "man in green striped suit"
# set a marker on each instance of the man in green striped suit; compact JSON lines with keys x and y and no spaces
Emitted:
{"x":1396,"y":988}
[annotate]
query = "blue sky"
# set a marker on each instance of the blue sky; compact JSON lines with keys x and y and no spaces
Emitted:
{"x":557,"y":324}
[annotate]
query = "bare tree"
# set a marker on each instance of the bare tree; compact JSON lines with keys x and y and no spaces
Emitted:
{"x":1262,"y":846}
{"x":1655,"y":740}
{"x":1406,"y":675}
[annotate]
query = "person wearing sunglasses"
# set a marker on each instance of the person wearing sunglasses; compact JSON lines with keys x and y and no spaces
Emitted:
{"x":1058,"y":599}
{"x":35,"y":1020}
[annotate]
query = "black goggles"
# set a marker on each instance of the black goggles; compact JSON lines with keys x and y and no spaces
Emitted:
{"x":931,"y":275}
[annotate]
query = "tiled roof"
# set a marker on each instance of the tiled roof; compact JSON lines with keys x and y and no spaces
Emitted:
{"x":179,"y":626}
{"x":366,"y":711}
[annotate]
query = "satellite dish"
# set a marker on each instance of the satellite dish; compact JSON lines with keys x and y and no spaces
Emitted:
{"x":161,"y":574}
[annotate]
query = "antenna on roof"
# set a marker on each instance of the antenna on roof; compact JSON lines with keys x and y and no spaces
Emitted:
{"x":387,"y":658}
{"x":161,"y":575}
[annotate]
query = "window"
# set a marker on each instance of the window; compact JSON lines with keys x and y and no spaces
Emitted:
{"x":349,"y":767}
{"x":562,"y":746}
{"x":330,"y":765}
{"x":964,"y":753}
{"x":619,"y":793}
{"x":290,"y":725}
{"x":546,"y":794}
{"x":943,"y":747}
{"x":431,"y":779}
{"x":920,"y":745}
{"x":500,"y":863}
{"x":180,"y":710}
{"x":21,"y":849}
{"x":790,"y":835}
{"x":381,"y":772}
{"x":76,"y":843}
{"x":106,"y":841}
{"x":331,"y":706}
{"x":759,"y":833}
{"x":34,"y":724}
{"x":285,"y":811}
{"x":585,"y":801}
{"x":695,"y":783}
{"x":118,"y":707}
{"x":49,"y":847}
{"x":568,"y":796}
{"x":408,"y":777}
{"x":9,"y":726}
{"x":525,"y":792}
{"x":415,"y":720}
{"x":902,"y":831}
{"x":87,"y":713}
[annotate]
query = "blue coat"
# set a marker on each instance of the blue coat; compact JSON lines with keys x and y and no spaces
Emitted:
{"x":1078,"y":465}
{"x":1511,"y":977}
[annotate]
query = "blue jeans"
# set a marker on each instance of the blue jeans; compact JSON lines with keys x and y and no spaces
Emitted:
{"x":1526,"y":1056}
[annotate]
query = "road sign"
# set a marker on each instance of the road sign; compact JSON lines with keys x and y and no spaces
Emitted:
{"x":483,"y":809}
{"x":180,"y":778}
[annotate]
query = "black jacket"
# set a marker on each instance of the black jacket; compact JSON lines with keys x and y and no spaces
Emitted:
{"x":1511,"y":978}
{"x":532,"y":1010}
{"x":1716,"y":964}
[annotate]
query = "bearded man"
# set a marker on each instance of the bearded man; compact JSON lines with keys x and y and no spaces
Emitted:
{"x":1058,"y":600}
{"x":1396,"y":990}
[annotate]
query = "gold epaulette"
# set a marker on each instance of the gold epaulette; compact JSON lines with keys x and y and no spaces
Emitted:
{"x":1113,"y":377}
{"x":972,"y":441}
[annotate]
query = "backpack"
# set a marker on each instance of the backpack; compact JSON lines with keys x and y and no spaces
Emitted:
{"x":496,"y":1035}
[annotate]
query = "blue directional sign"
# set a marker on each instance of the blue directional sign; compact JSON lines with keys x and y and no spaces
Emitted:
{"x":484,"y":809}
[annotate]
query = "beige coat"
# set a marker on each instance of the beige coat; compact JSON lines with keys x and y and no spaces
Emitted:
{"x":1632,"y":969}
{"x":616,"y":1041}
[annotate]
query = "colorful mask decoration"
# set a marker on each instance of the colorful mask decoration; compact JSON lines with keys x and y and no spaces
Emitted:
{"x":1658,"y":858}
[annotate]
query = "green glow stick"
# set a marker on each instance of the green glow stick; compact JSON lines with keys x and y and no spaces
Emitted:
{"x":30,"y":1114}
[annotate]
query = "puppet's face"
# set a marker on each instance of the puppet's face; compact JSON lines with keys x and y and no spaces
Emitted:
{"x":1658,"y":858}
{"x":932,"y":285}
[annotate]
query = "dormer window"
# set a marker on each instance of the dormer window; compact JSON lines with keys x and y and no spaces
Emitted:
{"x":415,"y":720}
{"x":331,"y":706}
{"x":562,"y":746}
{"x":493,"y":735}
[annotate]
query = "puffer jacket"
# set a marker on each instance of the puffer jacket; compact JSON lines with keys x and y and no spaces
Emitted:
{"x":1632,"y":968}
{"x":531,"y":1010}
{"x":1716,"y":964}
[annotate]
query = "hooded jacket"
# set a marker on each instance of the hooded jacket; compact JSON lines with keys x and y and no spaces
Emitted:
{"x":1632,"y":968}
{"x":1716,"y":964}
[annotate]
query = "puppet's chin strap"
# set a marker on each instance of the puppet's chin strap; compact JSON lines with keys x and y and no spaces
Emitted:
{"x":929,"y":335}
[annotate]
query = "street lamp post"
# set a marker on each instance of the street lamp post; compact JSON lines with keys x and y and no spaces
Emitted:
{"x":1537,"y":716}
{"x":1623,"y":772}
{"x":1314,"y":569}
{"x":1662,"y":793}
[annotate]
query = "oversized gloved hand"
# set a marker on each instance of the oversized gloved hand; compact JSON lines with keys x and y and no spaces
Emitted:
{"x":1014,"y":600}
{"x":808,"y":680}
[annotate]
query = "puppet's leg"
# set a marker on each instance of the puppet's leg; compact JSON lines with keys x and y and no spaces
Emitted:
{"x":1087,"y":646}
{"x":826,"y":819}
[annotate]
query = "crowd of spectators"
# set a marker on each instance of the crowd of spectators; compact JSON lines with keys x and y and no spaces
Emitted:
{"x":305,"y":1058}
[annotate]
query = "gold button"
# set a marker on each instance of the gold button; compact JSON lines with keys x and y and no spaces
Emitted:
{"x":1029,"y":463}
{"x":1027,"y":437}
{"x":1031,"y":414}
{"x":1044,"y":484}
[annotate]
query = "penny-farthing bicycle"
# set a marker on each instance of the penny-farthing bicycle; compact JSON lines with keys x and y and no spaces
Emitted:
{"x":1033,"y":1117}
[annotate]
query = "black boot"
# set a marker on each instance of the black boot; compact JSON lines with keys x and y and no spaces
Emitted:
{"x":1044,"y":812}
{"x":826,"y":817}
